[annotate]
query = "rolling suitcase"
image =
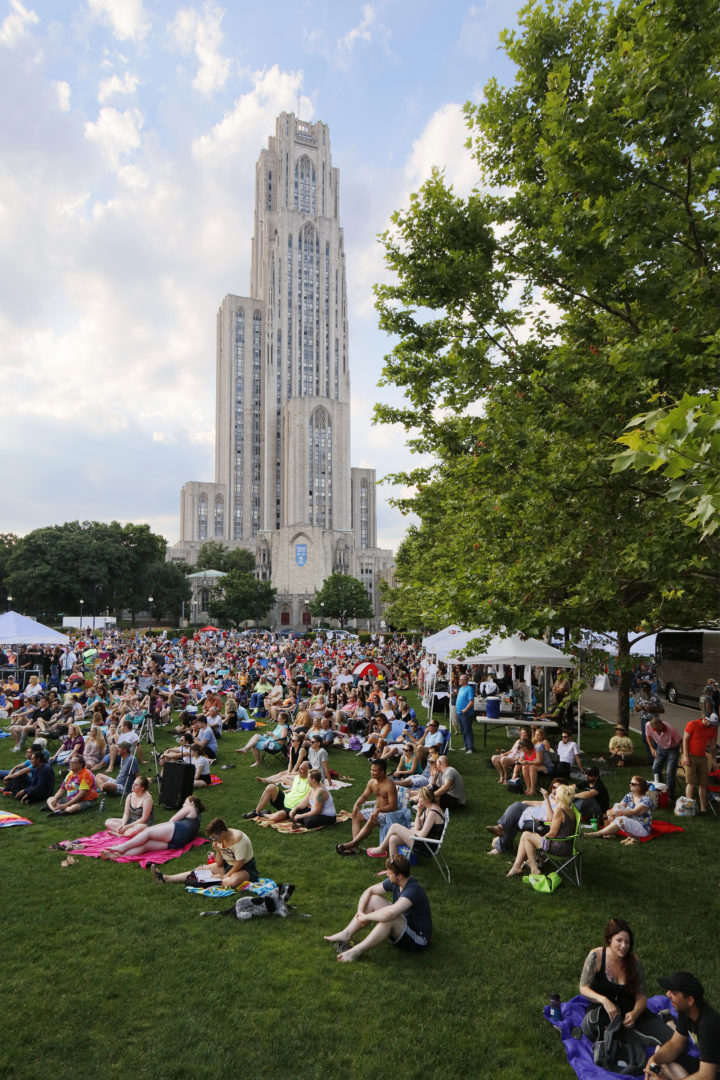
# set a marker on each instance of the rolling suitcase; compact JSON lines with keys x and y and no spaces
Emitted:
{"x":176,"y":784}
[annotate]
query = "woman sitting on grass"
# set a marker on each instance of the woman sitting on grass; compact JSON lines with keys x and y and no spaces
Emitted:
{"x":409,"y":764}
{"x":139,"y":811}
{"x":633,"y":814}
{"x":180,"y":830}
{"x":429,"y":823}
{"x":557,"y":841}
{"x":613,"y":977}
{"x":507,"y":759}
{"x":95,"y":748}
{"x":317,"y":809}
{"x":536,"y":761}
{"x":297,"y":753}
{"x":201,"y":764}
{"x":73,"y":743}
{"x":234,"y":860}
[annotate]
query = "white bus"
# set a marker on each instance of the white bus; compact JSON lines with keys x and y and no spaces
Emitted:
{"x":685,"y":660}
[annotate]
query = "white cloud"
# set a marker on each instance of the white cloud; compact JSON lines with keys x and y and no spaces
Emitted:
{"x":202,"y":34}
{"x":253,"y":116}
{"x":361,"y":32}
{"x":442,"y":143}
{"x":115,"y":85}
{"x":126,"y":17}
{"x":116,"y":133}
{"x":63,"y":95}
{"x":15,"y":25}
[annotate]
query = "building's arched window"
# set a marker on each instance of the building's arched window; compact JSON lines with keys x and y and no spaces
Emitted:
{"x":308,"y":302}
{"x":256,"y":444}
{"x":341,"y":562}
{"x":236,"y":495}
{"x":320,"y":469}
{"x":363,"y":514}
{"x":305,"y":194}
{"x":219,"y":517}
{"x":263,"y":566}
{"x":202,"y":517}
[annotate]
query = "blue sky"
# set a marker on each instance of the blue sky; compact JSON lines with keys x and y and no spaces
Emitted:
{"x":129,"y":138}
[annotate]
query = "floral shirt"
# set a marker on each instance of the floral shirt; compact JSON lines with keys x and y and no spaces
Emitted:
{"x":645,"y":815}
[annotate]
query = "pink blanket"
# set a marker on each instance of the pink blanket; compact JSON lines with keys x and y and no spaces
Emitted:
{"x":93,"y":845}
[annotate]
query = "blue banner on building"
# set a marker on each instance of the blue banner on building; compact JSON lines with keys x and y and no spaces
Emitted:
{"x":301,"y":554}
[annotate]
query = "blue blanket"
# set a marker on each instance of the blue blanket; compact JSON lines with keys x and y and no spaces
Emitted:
{"x":579,"y":1051}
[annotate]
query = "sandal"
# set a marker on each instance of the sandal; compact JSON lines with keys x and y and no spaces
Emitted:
{"x":341,"y":849}
{"x":157,"y":876}
{"x":375,"y":852}
{"x":343,"y":946}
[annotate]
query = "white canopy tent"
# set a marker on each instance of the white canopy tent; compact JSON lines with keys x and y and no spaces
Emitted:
{"x":526,"y":653}
{"x":16,"y":629}
{"x":520,"y":652}
{"x":450,"y":640}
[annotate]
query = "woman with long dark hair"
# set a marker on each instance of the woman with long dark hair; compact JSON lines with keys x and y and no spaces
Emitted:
{"x":613,"y":977}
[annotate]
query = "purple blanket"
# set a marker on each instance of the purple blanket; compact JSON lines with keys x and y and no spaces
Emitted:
{"x":579,"y":1051}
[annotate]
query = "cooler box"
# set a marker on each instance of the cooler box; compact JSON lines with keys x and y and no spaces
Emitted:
{"x":493,"y":708}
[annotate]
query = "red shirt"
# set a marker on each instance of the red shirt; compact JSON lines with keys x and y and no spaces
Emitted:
{"x":700,"y":737}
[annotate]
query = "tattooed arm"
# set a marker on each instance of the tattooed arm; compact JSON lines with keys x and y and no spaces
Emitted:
{"x":590,"y":968}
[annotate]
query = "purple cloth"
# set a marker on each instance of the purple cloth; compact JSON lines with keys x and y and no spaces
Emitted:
{"x":579,"y":1051}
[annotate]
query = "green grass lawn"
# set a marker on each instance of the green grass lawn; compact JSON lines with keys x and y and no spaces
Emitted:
{"x":106,"y":974}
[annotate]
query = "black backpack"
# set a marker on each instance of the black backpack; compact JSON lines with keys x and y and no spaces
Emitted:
{"x":620,"y":1050}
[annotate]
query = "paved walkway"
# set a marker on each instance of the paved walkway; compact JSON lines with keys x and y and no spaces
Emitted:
{"x":605,"y":704}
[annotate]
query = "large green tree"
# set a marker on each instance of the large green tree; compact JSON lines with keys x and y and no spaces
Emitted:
{"x":536,"y":317}
{"x":169,"y":587}
{"x":240,"y":597}
{"x":342,"y":597}
{"x":51,"y":569}
{"x":682,"y":441}
{"x":214,"y":555}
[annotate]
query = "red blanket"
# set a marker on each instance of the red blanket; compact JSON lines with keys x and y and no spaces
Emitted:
{"x":658,"y":828}
{"x":93,"y":845}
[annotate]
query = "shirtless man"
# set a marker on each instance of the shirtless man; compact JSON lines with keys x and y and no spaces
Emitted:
{"x":383,"y":790}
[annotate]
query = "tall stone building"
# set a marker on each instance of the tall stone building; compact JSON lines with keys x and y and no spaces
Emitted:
{"x":284,"y":487}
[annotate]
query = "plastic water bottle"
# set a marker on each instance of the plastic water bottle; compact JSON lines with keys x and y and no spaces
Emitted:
{"x":593,"y":824}
{"x":555,"y":1011}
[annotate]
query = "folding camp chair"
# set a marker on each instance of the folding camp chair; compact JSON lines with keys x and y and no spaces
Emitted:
{"x":569,"y":866}
{"x":424,"y":846}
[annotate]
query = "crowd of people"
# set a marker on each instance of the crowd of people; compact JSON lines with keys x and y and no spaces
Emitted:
{"x":80,"y":723}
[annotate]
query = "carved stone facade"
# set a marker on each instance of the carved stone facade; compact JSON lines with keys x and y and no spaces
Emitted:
{"x":283,"y":486}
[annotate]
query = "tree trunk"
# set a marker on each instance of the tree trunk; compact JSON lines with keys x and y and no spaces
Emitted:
{"x":624,"y":670}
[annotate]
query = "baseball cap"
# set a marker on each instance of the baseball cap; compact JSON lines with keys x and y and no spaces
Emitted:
{"x":684,"y":983}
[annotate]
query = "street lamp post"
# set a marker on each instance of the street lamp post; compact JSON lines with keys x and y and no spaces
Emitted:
{"x":9,"y":600}
{"x":81,"y":614}
{"x":150,"y":602}
{"x":95,"y":589}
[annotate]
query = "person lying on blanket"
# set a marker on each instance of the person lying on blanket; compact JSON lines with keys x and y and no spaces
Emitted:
{"x":180,"y":830}
{"x":234,"y":860}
